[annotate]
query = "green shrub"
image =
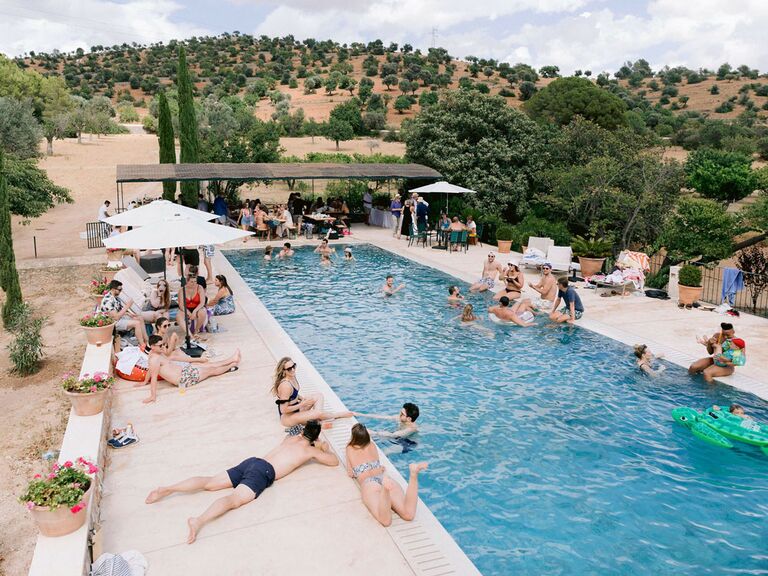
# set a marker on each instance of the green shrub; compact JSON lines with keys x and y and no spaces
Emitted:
{"x":505,"y":232}
{"x":658,"y":280}
{"x":591,"y":247}
{"x":128,"y":113}
{"x":26,"y":350}
{"x":534,"y":226}
{"x":690,"y":276}
{"x":150,"y":124}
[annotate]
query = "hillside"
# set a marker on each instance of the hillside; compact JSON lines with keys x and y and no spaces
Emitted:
{"x":242,"y":64}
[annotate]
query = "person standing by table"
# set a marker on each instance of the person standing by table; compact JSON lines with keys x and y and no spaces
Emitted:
{"x":367,"y":205}
{"x":397,"y":213}
{"x":422,"y":212}
{"x":407,"y":219}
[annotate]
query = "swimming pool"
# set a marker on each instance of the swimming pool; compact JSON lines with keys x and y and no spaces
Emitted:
{"x":549,"y":453}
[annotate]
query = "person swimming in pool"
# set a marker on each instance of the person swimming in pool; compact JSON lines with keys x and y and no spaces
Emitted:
{"x":738,"y":410}
{"x":454,"y":296}
{"x":348,"y":257}
{"x":645,"y":359}
{"x":389,"y":286}
{"x":515,"y":313}
{"x":251,"y":477}
{"x":406,"y":422}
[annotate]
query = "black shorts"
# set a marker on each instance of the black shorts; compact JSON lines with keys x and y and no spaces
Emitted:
{"x":256,"y":473}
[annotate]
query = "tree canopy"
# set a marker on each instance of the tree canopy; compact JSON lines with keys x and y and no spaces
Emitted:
{"x":565,"y":98}
{"x":720,"y":175}
{"x":698,"y":227}
{"x":479,"y":142}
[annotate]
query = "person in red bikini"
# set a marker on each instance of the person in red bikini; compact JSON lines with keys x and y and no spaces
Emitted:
{"x":194,"y":302}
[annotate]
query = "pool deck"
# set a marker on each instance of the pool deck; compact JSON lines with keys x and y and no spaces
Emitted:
{"x":313,"y":520}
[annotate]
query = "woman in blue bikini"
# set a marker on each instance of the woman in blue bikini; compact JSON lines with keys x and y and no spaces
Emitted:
{"x":380,"y":493}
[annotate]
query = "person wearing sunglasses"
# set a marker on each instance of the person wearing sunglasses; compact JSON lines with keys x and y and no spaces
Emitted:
{"x":296,"y":410}
{"x":546,"y":287}
{"x":491,"y":269}
{"x":120,"y":311}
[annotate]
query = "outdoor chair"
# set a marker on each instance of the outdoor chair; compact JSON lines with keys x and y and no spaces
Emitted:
{"x":263,"y":231}
{"x":478,"y":234}
{"x":561,"y":258}
{"x":542,"y":245}
{"x":420,"y":236}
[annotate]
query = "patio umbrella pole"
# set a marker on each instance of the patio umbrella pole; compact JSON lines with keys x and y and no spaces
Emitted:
{"x":195,"y":352}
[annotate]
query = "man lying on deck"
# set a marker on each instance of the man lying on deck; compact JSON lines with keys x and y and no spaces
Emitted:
{"x":252,"y":476}
{"x":181,"y":374}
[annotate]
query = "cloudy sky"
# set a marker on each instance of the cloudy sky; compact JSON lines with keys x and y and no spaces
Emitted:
{"x":587,"y":34}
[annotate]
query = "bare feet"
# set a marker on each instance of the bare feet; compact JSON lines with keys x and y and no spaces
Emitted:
{"x":156,"y":495}
{"x":194,"y":526}
{"x":140,"y":384}
{"x":149,"y":400}
{"x":418,"y":467}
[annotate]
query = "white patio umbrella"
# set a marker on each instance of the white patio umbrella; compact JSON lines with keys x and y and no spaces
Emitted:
{"x":443,"y":188}
{"x":155,"y":211}
{"x":171,"y":232}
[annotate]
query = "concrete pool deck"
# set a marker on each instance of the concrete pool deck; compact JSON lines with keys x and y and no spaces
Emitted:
{"x":313,"y":520}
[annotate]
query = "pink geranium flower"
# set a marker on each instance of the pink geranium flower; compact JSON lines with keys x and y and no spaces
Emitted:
{"x":76,"y":508}
{"x":97,"y":377}
{"x":68,"y":464}
{"x":94,"y":389}
{"x":30,"y":505}
{"x":37,"y":476}
{"x":51,"y":476}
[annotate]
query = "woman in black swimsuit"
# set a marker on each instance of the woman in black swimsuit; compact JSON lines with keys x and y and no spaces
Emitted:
{"x":514,"y":280}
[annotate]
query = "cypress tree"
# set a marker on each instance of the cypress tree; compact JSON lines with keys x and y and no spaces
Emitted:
{"x":187,"y":128}
{"x":167,"y":144}
{"x":9,"y":277}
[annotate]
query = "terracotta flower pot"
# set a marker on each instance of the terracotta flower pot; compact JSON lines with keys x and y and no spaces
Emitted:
{"x":61,"y":521}
{"x":88,"y":404}
{"x":114,"y":255}
{"x":100,"y":334}
{"x":109,"y":273}
{"x":504,"y":246}
{"x":590,"y":266}
{"x":688,"y":294}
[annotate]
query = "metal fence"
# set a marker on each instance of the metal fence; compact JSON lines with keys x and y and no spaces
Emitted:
{"x":95,"y":232}
{"x":712,"y":283}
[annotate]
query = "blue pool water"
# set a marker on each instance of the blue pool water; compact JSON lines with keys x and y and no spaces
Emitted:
{"x":548,"y":452}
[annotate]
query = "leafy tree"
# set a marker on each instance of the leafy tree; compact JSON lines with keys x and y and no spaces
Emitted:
{"x":30,"y":191}
{"x":9,"y":277}
{"x":338,"y":130}
{"x":527,"y":90}
{"x":719,"y":174}
{"x":402,"y":103}
{"x":754,"y":263}
{"x":608,"y":183}
{"x":714,"y":89}
{"x":549,"y":71}
{"x":755,"y":216}
{"x":330,"y":84}
{"x":566,"y":98}
{"x":19,"y":130}
{"x":479,"y":142}
{"x":698,"y":227}
{"x":188,"y":136}
{"x":428,"y":98}
{"x":167,"y":143}
{"x":350,"y":113}
{"x":389,"y":80}
{"x":723,"y":71}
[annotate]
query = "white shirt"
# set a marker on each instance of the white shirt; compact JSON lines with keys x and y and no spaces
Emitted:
{"x":472,"y":226}
{"x":103,"y":212}
{"x":367,"y":199}
{"x":288,"y":219}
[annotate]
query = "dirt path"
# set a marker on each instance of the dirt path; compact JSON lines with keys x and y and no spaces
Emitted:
{"x":34,"y":409}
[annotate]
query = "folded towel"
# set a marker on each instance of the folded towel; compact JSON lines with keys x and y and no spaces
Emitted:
{"x":130,"y":357}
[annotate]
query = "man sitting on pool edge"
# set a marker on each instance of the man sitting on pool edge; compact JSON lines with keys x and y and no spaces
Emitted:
{"x":572,"y":309}
{"x":252,"y":476}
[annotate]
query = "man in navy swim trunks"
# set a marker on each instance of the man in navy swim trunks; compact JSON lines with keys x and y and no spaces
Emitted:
{"x":252,"y":476}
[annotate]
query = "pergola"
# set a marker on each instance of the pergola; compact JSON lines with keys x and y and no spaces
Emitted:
{"x":267,"y":171}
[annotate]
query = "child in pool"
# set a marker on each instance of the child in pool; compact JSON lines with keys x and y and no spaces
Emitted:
{"x":268,"y":252}
{"x":644,"y":359}
{"x":738,"y":410}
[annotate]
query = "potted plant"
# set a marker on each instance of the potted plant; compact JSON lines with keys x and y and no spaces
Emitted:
{"x":58,"y":501}
{"x":689,"y":284}
{"x":108,"y":272}
{"x":99,"y":287}
{"x":98,"y":328}
{"x":87,"y":393}
{"x":592,"y":253}
{"x":504,"y":234}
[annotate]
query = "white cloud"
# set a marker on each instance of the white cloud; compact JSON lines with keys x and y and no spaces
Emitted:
{"x":45,"y":25}
{"x":585,"y":34}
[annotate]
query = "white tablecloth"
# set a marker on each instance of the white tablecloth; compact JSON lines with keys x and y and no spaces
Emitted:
{"x":382,"y":218}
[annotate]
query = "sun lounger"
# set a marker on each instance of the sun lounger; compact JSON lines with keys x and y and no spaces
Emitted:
{"x":535,"y":253}
{"x":540,"y":243}
{"x":561,"y":258}
{"x":131,"y":289}
{"x":609,"y":287}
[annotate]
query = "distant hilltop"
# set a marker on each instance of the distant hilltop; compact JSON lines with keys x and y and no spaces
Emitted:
{"x":320,"y":74}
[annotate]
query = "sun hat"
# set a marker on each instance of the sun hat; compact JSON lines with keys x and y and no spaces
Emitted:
{"x":739,"y":342}
{"x":348,"y":249}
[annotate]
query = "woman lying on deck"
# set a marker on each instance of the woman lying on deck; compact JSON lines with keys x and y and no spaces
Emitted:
{"x":380,"y":493}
